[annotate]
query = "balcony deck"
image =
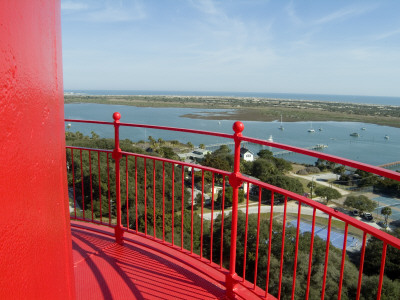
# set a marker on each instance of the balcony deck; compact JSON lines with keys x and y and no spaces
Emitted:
{"x":139,"y":269}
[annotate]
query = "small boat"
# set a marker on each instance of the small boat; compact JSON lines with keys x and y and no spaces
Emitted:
{"x":270,"y":139}
{"x":311,"y":129}
{"x":320,"y":129}
{"x":386,"y":137}
{"x":355,"y":134}
{"x":281,"y":127}
{"x":363,"y":128}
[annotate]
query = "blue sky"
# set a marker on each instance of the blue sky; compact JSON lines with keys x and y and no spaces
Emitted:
{"x":320,"y":47}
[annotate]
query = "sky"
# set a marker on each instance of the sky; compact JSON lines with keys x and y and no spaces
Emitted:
{"x":315,"y":47}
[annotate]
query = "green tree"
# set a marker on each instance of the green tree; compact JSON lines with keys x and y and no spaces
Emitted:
{"x":95,"y":136}
{"x":223,"y":149}
{"x":339,"y":170}
{"x":327,"y":193}
{"x":263,"y":168}
{"x":373,"y":258}
{"x":167,"y":152}
{"x":266,"y":154}
{"x":386,"y":211}
{"x":202,"y":146}
{"x":311,"y":185}
{"x":228,"y":197}
{"x":361,"y":202}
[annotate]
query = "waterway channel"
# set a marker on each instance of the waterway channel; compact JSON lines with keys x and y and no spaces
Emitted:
{"x":370,"y":146}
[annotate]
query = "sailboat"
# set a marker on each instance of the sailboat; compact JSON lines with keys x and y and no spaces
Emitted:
{"x":281,"y":127}
{"x":311,"y":129}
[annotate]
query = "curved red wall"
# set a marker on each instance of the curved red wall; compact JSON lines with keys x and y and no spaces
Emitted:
{"x":35,"y":240}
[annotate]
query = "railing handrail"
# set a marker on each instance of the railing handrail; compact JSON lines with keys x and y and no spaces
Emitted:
{"x":344,"y":161}
{"x":166,"y":128}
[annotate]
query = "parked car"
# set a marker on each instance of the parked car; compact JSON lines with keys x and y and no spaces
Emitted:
{"x":354,"y":212}
{"x":367,"y":216}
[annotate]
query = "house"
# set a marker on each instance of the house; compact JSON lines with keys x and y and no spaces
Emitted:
{"x":246,"y":154}
{"x":195,"y":155}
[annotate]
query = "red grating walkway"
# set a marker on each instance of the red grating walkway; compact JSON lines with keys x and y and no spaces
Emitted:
{"x":106,"y":270}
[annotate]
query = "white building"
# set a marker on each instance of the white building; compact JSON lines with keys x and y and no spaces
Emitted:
{"x":246,"y":154}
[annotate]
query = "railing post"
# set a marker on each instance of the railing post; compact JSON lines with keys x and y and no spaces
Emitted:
{"x":235,"y":182}
{"x":116,"y":155}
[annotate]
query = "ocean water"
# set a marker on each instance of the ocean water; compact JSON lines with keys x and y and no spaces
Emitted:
{"x":315,"y":97}
{"x":369,"y":147}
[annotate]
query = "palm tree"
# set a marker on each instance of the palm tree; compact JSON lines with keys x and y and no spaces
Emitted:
{"x":386,"y":211}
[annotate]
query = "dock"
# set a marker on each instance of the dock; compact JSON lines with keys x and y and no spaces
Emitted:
{"x":390,"y":165}
{"x":315,"y":147}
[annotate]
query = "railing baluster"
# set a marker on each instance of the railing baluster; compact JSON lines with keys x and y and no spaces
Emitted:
{"x":109,"y":190}
{"x":328,"y":237}
{"x":382,"y":271}
{"x":271,"y":218}
{"x":82,"y":191}
{"x":222,"y":223}
{"x":296,"y":249}
{"x":191,"y":216}
{"x":136,"y":197}
{"x":212,"y":217}
{"x":91,"y":184}
{"x":172,"y":203}
{"x":98,"y":169}
{"x":201,"y":219}
{"x":346,"y":229}
{"x":127,"y":192}
{"x":257,"y":239}
{"x":245,"y":232}
{"x":311,"y":254}
{"x":360,"y":270}
{"x":182,"y":202}
{"x":163,"y":201}
{"x":73,"y":180}
{"x":282,"y":248}
{"x":145,"y":196}
{"x":154,"y":198}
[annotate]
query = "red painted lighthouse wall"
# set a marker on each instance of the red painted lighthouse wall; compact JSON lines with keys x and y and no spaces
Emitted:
{"x":35,"y":240}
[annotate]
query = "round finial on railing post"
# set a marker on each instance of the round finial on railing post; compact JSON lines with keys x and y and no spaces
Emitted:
{"x":238,"y":127}
{"x":116,"y":116}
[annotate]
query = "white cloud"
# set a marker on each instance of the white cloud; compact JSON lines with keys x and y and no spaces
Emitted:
{"x":344,"y":13}
{"x":73,"y":6}
{"x":116,"y":14}
{"x":206,"y":6}
{"x":387,"y":34}
{"x":105,"y":11}
{"x":290,"y":9}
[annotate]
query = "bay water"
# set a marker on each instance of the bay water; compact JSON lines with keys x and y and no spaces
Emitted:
{"x":370,"y":146}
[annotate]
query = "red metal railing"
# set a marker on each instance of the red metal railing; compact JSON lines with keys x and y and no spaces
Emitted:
{"x":158,"y":200}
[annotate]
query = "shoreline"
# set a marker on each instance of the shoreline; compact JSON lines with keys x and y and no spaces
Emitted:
{"x":257,"y":109}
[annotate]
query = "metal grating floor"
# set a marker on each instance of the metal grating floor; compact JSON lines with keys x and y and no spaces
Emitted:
{"x":107,"y":270}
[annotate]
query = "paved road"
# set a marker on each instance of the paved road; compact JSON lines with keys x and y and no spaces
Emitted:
{"x":291,"y":208}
